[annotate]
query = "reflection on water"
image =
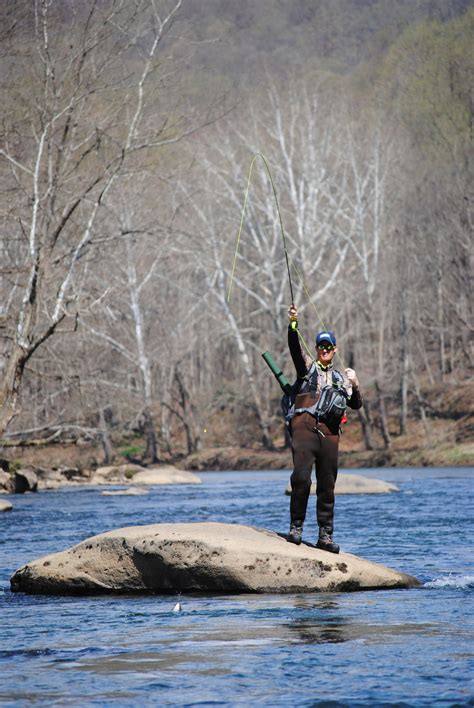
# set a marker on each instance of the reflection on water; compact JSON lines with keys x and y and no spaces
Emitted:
{"x":335,"y":630}
{"x":326,"y":622}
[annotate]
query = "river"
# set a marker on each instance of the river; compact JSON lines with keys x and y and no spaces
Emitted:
{"x":404,"y":647}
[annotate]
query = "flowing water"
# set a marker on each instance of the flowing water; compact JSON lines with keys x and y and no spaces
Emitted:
{"x":402,"y":647}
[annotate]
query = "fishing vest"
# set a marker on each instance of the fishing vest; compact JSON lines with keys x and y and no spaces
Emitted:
{"x":328,"y":407}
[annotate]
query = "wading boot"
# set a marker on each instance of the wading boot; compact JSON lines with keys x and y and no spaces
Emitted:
{"x":296,"y":532}
{"x":325,"y":541}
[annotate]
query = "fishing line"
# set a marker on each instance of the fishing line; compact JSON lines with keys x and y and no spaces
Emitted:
{"x":318,"y":315}
{"x":287,"y":257}
{"x":258,"y":154}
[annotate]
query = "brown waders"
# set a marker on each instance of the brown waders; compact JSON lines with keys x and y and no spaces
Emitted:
{"x":313,"y":443}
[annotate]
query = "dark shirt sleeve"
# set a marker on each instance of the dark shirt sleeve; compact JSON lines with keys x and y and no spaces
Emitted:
{"x":355,"y":401}
{"x":296,"y":354}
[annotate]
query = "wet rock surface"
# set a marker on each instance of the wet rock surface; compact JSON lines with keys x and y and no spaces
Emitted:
{"x":200,"y":557}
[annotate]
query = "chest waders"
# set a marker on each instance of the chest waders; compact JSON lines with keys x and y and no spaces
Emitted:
{"x":313,"y":418}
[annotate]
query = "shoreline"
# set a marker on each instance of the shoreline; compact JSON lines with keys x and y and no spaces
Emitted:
{"x":61,"y":465}
{"x":90,"y":457}
{"x":237,"y":458}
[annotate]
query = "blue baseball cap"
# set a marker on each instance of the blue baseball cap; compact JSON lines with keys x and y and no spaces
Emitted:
{"x":326,"y":337}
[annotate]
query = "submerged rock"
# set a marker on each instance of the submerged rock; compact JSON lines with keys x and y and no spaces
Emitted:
{"x":165,"y":474}
{"x":356,"y":484}
{"x":5,"y":506}
{"x":129,"y":492}
{"x":200,"y":557}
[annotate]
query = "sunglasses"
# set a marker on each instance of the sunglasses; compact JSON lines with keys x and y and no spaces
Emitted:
{"x":326,"y":347}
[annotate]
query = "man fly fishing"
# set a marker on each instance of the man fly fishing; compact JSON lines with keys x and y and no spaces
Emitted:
{"x":314,"y":411}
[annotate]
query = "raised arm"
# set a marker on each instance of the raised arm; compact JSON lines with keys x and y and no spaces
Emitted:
{"x":294,"y":344}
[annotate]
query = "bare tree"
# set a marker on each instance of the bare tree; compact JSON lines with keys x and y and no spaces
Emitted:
{"x":365,"y":211}
{"x":254,"y":317}
{"x":74,"y":123}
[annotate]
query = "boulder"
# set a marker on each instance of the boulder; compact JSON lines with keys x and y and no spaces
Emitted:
{"x":5,"y":506}
{"x":51,"y":479}
{"x":130,"y":491}
{"x":114,"y":474}
{"x":165,"y":474}
{"x":51,"y":484}
{"x":26,"y":480}
{"x":62,"y":477}
{"x":72,"y":473}
{"x":200,"y":557}
{"x":7,"y":483}
{"x":356,"y":484}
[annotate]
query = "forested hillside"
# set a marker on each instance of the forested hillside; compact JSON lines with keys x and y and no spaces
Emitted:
{"x":127,"y":134}
{"x":244,"y":40}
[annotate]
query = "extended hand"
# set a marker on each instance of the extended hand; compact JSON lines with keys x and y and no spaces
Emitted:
{"x":352,"y":376}
{"x":293,"y":313}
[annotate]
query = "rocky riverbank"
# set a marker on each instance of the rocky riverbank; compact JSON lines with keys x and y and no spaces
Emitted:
{"x":45,"y":469}
{"x":237,"y":458}
{"x":34,"y":479}
{"x":40,"y":479}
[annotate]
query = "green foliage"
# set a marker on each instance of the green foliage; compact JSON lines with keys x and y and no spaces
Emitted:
{"x":129,"y":473}
{"x":132,"y":451}
{"x":426,"y":79}
{"x":245,"y":40}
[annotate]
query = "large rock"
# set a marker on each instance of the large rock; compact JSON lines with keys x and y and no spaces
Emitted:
{"x":5,"y":506}
{"x":165,"y":474}
{"x":200,"y":557}
{"x":51,"y":479}
{"x":356,"y":484}
{"x":7,"y":483}
{"x":114,"y":474}
{"x":26,"y":480}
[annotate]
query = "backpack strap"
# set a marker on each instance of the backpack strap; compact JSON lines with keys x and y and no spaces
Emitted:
{"x":337,"y":379}
{"x":311,"y":379}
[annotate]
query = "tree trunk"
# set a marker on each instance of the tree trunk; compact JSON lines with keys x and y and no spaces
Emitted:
{"x":11,"y":386}
{"x":105,"y":438}
{"x":366,"y":424}
{"x":383,"y":417}
{"x":193,"y":439}
{"x":404,"y":372}
{"x":165,"y":427}
{"x":440,"y":304}
{"x":151,"y":452}
{"x":422,"y":409}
